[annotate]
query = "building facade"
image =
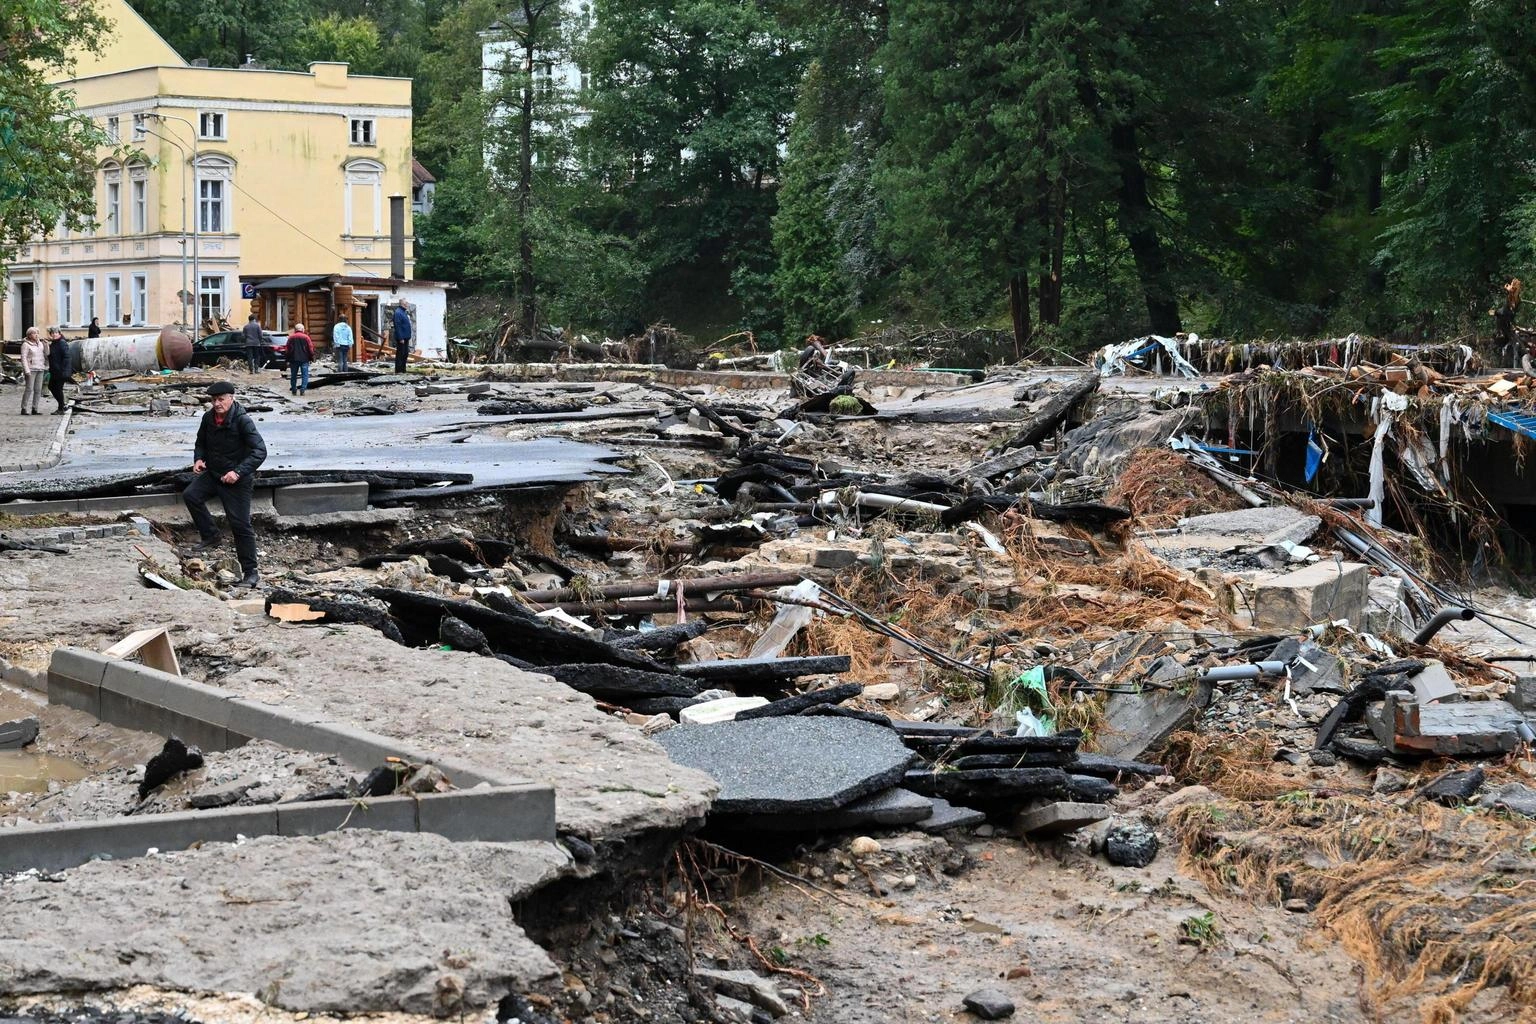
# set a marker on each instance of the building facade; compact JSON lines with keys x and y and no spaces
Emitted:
{"x":212,"y":174}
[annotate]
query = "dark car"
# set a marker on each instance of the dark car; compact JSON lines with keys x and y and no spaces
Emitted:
{"x":231,"y":345}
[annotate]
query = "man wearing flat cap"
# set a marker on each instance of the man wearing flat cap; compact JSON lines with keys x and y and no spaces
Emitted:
{"x":228,"y":450}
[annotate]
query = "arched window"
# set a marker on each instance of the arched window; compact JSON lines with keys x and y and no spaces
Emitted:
{"x":363,"y":202}
{"x":215,"y":194}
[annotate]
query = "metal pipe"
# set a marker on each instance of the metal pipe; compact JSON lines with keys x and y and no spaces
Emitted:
{"x":1443,"y":618}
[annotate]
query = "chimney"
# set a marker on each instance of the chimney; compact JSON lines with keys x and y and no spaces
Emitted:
{"x":397,"y":237}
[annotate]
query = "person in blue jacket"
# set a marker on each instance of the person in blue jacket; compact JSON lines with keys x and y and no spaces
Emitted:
{"x":402,"y":333}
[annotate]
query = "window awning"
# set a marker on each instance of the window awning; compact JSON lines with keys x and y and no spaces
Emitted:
{"x":290,"y":283}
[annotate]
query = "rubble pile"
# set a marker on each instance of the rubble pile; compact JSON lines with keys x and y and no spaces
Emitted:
{"x":1048,"y":611}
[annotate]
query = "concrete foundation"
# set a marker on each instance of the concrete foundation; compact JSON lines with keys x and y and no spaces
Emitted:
{"x":1321,"y":592}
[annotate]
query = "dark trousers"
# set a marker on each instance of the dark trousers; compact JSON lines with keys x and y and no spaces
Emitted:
{"x":253,"y":358}
{"x":56,"y":388}
{"x":236,"y":499}
{"x":401,"y":351}
{"x":298,"y":376}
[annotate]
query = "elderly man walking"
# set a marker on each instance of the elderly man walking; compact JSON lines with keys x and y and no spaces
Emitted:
{"x":224,"y":461}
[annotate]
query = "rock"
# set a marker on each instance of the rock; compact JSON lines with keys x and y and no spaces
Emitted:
{"x":427,"y":778}
{"x":740,"y":1008}
{"x":794,"y":764}
{"x":1131,"y":844}
{"x":1514,"y":797}
{"x":174,"y":758}
{"x":1449,"y":728}
{"x":989,"y":1004}
{"x":1135,"y":723}
{"x":1058,"y":818}
{"x":1266,"y":526}
{"x":1322,"y":759}
{"x":863,"y":846}
{"x":946,"y":817}
{"x":746,"y":986}
{"x":1454,"y":788}
{"x":1297,"y":905}
{"x":1389,"y":780}
{"x":1313,"y":669}
{"x":723,"y":709}
{"x":1321,"y":592}
{"x":460,"y":635}
{"x":1523,"y":695}
{"x":18,"y":733}
{"x":221,"y":796}
{"x":883,"y":692}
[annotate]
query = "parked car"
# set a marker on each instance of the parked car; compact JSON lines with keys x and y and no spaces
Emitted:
{"x":231,"y":345}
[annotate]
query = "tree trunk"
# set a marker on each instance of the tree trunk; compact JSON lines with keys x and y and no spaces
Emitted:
{"x":1018,"y":307}
{"x":1136,"y":216}
{"x":525,"y":180}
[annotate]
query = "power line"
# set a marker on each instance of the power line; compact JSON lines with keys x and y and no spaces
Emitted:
{"x":300,"y":230}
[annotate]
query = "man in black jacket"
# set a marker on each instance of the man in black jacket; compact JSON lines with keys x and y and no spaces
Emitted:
{"x":228,"y":450}
{"x":58,"y":367}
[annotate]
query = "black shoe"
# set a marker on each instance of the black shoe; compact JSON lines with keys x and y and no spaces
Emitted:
{"x":250,"y":580}
{"x":205,"y":547}
{"x":24,"y":412}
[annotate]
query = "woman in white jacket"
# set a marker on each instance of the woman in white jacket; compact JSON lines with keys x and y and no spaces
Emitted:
{"x":34,"y":362}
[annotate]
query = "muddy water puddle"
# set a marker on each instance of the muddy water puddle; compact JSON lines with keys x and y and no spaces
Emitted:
{"x":22,"y":771}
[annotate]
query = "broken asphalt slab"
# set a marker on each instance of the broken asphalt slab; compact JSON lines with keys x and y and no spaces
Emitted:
{"x":797,"y":764}
{"x":348,"y":922}
{"x":610,"y":780}
{"x":883,"y":810}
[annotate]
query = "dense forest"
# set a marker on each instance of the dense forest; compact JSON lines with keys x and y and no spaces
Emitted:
{"x":1082,"y":171}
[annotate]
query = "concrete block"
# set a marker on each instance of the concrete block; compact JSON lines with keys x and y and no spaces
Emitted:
{"x":288,"y":727}
{"x":1321,"y":592}
{"x":136,"y":681}
{"x":505,"y":815}
{"x":57,"y":847}
{"x":1523,"y":696}
{"x":78,"y":664}
{"x":314,"y":817}
{"x":130,"y":503}
{"x":74,"y":693}
{"x":1433,"y":683}
{"x":1460,"y":729}
{"x":312,"y":499}
{"x":1059,"y":818}
{"x":363,"y":749}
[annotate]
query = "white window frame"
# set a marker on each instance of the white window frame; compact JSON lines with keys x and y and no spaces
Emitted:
{"x":363,"y":173}
{"x":207,"y":310}
{"x":364,"y":131}
{"x":64,"y":297}
{"x":282,"y":313}
{"x":215,"y":188}
{"x":114,"y":217}
{"x":87,"y":299}
{"x":114,"y":132}
{"x":114,"y":299}
{"x":140,"y":299}
{"x":138,"y":198}
{"x":212,"y":125}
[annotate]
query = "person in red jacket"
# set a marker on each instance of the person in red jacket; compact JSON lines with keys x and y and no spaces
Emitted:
{"x":301,"y":352}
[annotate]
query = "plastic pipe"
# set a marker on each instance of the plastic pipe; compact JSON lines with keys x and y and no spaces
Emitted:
{"x":1443,"y":618}
{"x":1230,"y":673}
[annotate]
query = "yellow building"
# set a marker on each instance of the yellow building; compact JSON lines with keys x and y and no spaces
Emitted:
{"x":229,"y":172}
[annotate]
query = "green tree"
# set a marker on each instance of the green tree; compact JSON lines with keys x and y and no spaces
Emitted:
{"x":225,"y":32}
{"x":1000,"y":115}
{"x":690,"y":104}
{"x":47,"y":150}
{"x":354,"y":41}
{"x":811,"y":279}
{"x":1457,"y":129}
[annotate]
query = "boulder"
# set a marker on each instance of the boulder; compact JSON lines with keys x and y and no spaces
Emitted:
{"x":1321,"y":592}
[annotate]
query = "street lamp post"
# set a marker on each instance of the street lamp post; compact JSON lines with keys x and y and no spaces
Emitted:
{"x":185,"y":295}
{"x":197,"y":213}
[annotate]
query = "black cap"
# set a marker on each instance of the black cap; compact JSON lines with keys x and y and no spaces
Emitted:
{"x":221,"y":387}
